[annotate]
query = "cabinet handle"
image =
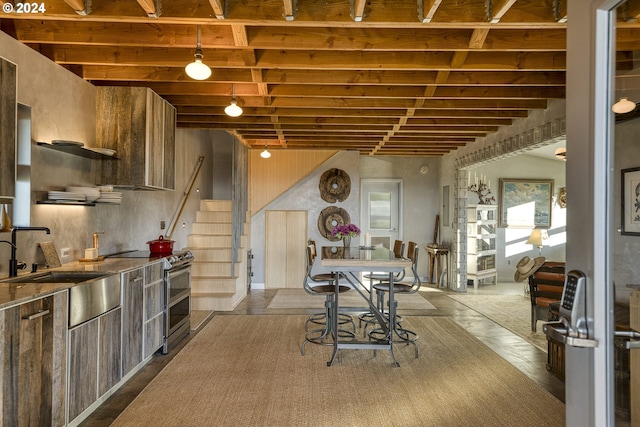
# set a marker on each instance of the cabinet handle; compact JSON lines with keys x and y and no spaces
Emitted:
{"x":36,"y":315}
{"x":137,"y":279}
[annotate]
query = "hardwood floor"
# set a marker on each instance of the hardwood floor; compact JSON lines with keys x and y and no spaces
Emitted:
{"x":527,"y":358}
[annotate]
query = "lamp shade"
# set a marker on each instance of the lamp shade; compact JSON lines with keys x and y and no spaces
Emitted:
{"x":233,"y":109}
{"x":623,"y":106}
{"x":538,"y":238}
{"x":265,"y":154}
{"x":561,"y":153}
{"x":197,"y":69}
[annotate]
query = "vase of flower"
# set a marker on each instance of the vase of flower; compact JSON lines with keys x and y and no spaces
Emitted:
{"x":345,"y":232}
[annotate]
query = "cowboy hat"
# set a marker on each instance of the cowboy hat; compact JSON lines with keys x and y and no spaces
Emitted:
{"x":526,"y":267}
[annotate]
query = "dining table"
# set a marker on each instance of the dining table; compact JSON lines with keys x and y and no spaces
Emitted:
{"x":346,"y":264}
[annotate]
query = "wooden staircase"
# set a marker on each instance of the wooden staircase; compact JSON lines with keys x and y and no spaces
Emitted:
{"x":216,"y":282}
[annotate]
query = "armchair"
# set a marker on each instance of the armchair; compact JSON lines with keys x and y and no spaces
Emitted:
{"x":545,"y":288}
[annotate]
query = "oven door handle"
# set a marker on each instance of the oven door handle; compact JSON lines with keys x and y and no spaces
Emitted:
{"x":176,"y":272}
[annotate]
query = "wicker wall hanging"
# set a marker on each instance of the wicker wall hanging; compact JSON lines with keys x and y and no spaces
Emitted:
{"x":335,"y":185}
{"x":329,"y":218}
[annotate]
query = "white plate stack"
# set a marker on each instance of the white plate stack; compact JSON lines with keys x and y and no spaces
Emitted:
{"x":66,"y":196}
{"x":107,"y":195}
{"x":91,"y":193}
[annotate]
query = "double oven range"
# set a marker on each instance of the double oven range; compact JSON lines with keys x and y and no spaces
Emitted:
{"x":177,"y":291}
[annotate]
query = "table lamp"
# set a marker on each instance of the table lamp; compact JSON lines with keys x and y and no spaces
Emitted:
{"x":538,"y":238}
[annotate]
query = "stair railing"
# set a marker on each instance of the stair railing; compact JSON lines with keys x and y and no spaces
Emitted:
{"x":184,"y":198}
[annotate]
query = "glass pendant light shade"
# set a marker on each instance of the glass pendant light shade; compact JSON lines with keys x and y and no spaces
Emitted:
{"x":623,"y":106}
{"x":233,"y":109}
{"x":265,"y":154}
{"x":198,"y":70}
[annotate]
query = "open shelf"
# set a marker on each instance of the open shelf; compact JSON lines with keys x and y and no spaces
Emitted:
{"x":64,"y":202}
{"x":77,"y":151}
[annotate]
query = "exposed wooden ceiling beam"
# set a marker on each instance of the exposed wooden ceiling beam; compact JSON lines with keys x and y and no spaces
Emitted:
{"x":218,"y":8}
{"x":153,"y":8}
{"x":82,"y":7}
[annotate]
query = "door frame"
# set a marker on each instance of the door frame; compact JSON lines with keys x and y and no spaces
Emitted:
{"x":589,"y":372}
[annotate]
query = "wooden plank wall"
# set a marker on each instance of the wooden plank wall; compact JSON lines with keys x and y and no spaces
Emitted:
{"x":269,"y":178}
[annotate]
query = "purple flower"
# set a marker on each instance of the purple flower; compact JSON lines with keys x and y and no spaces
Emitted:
{"x":347,"y":230}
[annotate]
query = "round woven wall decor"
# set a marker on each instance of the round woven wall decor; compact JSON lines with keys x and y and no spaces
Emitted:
{"x":335,"y":185}
{"x":329,"y":218}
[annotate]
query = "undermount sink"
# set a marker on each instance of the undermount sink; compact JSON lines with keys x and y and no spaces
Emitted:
{"x":58,"y":277}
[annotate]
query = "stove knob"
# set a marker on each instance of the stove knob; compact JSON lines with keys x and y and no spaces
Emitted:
{"x":172,"y":259}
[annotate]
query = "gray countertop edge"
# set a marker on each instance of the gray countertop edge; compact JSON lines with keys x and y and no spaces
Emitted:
{"x":17,"y":293}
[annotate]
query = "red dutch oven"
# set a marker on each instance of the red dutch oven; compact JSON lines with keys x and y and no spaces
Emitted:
{"x":160,"y":246}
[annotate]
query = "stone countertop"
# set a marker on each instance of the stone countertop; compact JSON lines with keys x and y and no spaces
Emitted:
{"x":18,"y":293}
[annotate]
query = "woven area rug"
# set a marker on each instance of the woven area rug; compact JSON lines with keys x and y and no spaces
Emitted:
{"x":512,"y":312}
{"x":298,"y":298}
{"x":247,"y":371}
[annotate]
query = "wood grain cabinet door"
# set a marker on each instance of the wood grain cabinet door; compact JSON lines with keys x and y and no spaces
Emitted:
{"x":8,"y":119}
{"x":286,"y":237}
{"x":132,"y":318}
{"x":33,"y":362}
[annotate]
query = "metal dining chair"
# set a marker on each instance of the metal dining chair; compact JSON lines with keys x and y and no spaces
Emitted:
{"x":323,"y":284}
{"x":368,"y":318}
{"x":384,"y":287}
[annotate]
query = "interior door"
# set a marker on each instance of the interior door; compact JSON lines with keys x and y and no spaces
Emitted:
{"x":286,"y":239}
{"x":589,"y":372}
{"x":380,"y":207}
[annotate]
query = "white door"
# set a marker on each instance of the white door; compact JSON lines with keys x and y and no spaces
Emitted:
{"x":589,"y":372}
{"x":380,"y":208}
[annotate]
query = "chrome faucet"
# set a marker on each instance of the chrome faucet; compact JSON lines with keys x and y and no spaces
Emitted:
{"x":13,"y":262}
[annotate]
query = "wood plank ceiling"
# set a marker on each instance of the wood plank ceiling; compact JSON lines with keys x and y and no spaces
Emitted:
{"x":385,"y":77}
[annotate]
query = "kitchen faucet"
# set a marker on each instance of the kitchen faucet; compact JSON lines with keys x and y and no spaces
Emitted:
{"x":13,"y":262}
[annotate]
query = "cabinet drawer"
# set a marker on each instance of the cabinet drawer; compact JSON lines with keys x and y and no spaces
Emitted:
{"x":154,"y":272}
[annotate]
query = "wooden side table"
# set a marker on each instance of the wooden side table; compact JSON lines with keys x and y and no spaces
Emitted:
{"x":436,"y":252}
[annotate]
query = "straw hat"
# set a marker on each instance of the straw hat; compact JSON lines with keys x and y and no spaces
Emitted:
{"x":526,"y":267}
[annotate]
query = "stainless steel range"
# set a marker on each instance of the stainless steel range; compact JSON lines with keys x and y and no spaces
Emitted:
{"x":177,"y":312}
{"x":177,"y":285}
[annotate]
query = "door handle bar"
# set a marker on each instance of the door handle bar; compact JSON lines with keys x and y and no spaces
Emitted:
{"x":630,"y":334}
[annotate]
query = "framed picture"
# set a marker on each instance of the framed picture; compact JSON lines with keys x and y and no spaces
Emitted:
{"x":525,"y":203}
{"x":631,"y":201}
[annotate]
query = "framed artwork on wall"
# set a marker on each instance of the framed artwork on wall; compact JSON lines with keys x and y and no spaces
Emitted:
{"x":525,"y":203}
{"x":631,"y":201}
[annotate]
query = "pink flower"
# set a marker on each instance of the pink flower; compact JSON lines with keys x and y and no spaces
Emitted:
{"x":346,"y":230}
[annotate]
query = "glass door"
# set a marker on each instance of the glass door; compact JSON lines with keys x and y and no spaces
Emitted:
{"x":601,"y":146}
{"x":380,"y":209}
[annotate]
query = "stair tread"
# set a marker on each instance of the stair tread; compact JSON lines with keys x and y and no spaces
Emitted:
{"x":214,"y":277}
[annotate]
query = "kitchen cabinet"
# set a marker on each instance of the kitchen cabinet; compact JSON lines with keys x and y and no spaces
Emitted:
{"x":8,"y":130}
{"x":140,"y":126}
{"x":132,"y":318}
{"x":33,"y":359}
{"x":154,"y":302}
{"x":481,"y":244}
{"x":94,"y":360}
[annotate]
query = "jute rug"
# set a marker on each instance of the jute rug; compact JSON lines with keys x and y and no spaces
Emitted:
{"x":198,"y":317}
{"x":298,"y":298}
{"x":512,"y":312}
{"x":247,"y":371}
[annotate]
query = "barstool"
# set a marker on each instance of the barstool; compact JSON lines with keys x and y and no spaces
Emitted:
{"x":369,"y":318}
{"x":399,"y":288}
{"x":323,"y":284}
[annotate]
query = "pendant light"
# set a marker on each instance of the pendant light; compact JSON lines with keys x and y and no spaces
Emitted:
{"x":623,"y":106}
{"x":265,"y":154}
{"x":198,"y":70}
{"x":233,"y":109}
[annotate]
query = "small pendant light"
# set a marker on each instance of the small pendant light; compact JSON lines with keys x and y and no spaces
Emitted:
{"x":233,"y":109}
{"x":198,"y":70}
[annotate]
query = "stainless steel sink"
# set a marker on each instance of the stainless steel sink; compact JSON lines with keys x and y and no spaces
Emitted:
{"x":58,"y":277}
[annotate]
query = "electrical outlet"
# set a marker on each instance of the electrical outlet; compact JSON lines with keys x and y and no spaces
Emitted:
{"x":508,"y":262}
{"x":162,"y":226}
{"x":65,"y":252}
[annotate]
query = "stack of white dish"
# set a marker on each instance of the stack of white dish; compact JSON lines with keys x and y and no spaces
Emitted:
{"x":91,"y":193}
{"x":107,"y":195}
{"x":66,"y":196}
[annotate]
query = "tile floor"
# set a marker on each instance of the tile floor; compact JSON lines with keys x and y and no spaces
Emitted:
{"x":526,"y":357}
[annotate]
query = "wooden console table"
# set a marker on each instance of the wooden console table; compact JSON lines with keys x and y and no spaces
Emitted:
{"x":436,"y":252}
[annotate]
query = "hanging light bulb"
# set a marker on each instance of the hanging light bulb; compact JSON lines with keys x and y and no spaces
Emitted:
{"x":265,"y":154}
{"x":233,"y":109}
{"x":623,"y":106}
{"x":198,"y":70}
